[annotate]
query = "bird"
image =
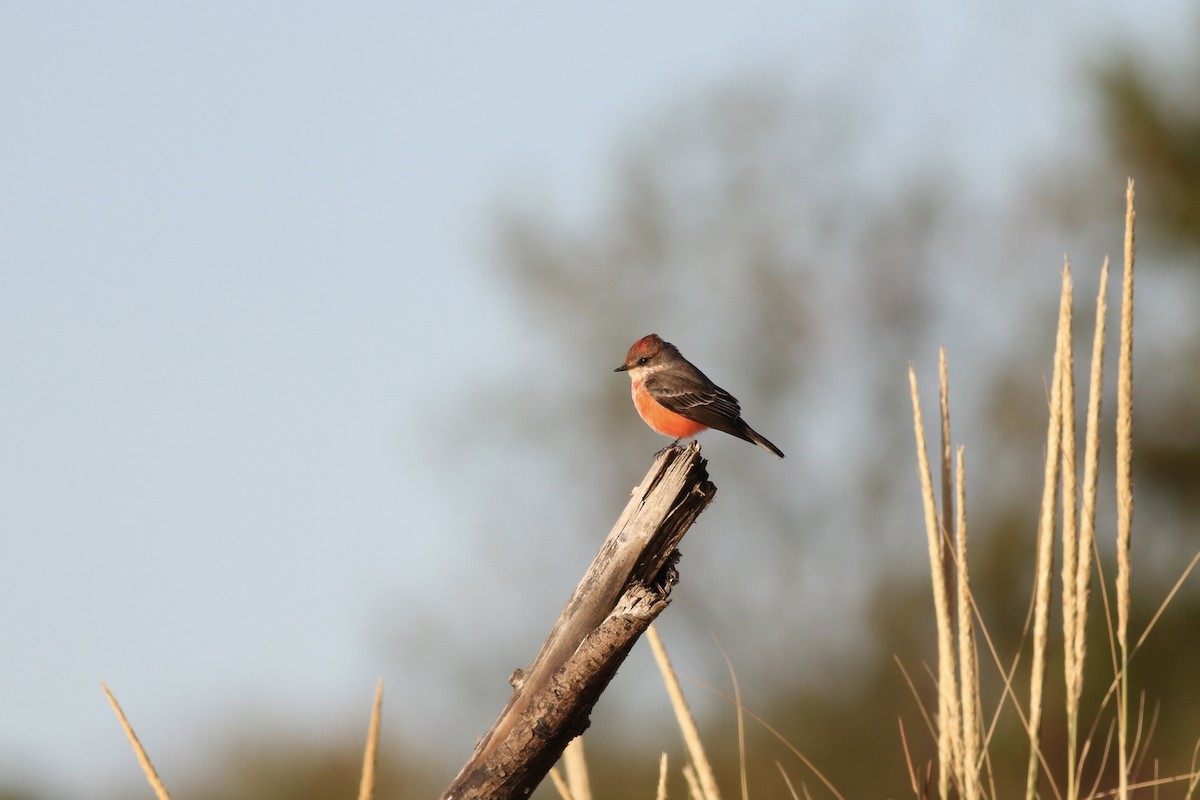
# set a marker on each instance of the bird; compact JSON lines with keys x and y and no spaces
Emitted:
{"x":676,"y":399}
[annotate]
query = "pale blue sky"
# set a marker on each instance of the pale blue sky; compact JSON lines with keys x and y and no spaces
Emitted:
{"x":245,"y":247}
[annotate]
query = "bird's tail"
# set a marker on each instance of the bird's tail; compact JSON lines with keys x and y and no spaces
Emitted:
{"x":762,"y":442}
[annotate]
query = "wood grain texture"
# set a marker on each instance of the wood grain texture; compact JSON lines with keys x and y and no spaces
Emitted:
{"x":620,"y":594}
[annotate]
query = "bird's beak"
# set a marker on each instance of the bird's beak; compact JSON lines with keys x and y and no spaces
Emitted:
{"x":622,"y":368}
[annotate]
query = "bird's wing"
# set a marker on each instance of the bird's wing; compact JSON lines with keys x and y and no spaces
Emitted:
{"x":697,"y":398}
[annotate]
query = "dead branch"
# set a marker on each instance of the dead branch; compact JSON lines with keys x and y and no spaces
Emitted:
{"x":624,"y":589}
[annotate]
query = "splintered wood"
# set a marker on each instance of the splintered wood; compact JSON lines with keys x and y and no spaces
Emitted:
{"x":624,"y":589}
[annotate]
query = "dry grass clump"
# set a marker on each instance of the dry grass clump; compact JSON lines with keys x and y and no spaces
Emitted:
{"x":964,"y":768}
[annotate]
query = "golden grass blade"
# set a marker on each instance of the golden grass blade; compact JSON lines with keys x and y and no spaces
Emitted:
{"x":1106,"y":603}
{"x":1006,"y":675}
{"x":693,"y":783}
{"x":741,"y":720}
{"x":1137,"y":731}
{"x":1163,"y":606}
{"x":707,"y":782}
{"x":1191,"y":777}
{"x":366,"y":788}
{"x":1008,"y":695}
{"x":1115,"y":684}
{"x":661,"y":794}
{"x":782,"y":740}
{"x":1125,"y":489}
{"x":991,"y":775}
{"x":575,"y":766}
{"x":1103,"y":760}
{"x":912,"y":773}
{"x":968,"y":670}
{"x":788,"y":782}
{"x":1142,"y":745}
{"x":1195,"y":777}
{"x":1070,"y":548}
{"x":941,"y":602}
{"x":912,"y":687}
{"x":944,"y":457}
{"x":1091,"y":459}
{"x":947,"y":475}
{"x":160,"y":791}
{"x":560,"y":784}
{"x":1045,"y":541}
{"x":1076,"y":648}
{"x":947,"y":669}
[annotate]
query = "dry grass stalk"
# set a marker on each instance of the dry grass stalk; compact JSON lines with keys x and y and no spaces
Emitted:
{"x":1009,"y":693}
{"x":741,"y":721}
{"x":560,"y":784}
{"x":1125,"y":489}
{"x":706,"y":782}
{"x":790,"y":747}
{"x":788,"y":781}
{"x":160,"y":791}
{"x":1183,"y":576}
{"x":1076,"y":650}
{"x":946,"y":667}
{"x":965,"y":597}
{"x":1071,"y":552}
{"x":661,"y":794}
{"x":693,"y":783}
{"x":1195,"y":779}
{"x":912,"y":687}
{"x":1115,"y":684}
{"x":1141,"y":743}
{"x":576,"y":768}
{"x":1079,"y":526}
{"x":1045,"y":541}
{"x":1192,"y":778}
{"x":1108,"y":738}
{"x":968,"y":668}
{"x":941,"y":600}
{"x":366,"y":788}
{"x":912,"y":773}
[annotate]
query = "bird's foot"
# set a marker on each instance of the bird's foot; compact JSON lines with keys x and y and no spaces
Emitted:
{"x":671,"y":446}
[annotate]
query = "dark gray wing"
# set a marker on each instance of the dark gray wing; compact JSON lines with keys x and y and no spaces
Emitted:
{"x":690,"y":394}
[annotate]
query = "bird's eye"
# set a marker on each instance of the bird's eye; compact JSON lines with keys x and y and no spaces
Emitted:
{"x":644,"y":360}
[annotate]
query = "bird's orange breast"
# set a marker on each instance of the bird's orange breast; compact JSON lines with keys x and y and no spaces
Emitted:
{"x":661,"y":419}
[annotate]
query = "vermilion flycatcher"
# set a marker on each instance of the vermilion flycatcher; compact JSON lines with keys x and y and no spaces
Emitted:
{"x":676,"y":399}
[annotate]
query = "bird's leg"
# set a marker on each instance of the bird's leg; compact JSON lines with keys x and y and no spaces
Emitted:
{"x":671,"y":446}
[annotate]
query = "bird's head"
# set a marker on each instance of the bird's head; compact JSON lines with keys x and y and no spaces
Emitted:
{"x":647,"y":354}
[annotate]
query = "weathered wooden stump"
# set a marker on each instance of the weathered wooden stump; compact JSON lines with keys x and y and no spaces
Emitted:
{"x":624,"y":589}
